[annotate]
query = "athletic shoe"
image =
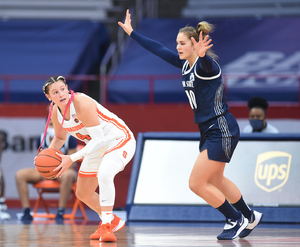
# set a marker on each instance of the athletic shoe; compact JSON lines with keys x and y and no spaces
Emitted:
{"x":255,"y":219}
{"x":4,"y":215}
{"x":233,"y":228}
{"x":116,"y":225}
{"x":106,"y":233}
{"x":3,"y":206}
{"x":26,"y":217}
{"x":59,"y":218}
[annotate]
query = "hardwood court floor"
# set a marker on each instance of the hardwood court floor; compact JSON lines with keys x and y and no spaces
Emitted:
{"x":47,"y":233}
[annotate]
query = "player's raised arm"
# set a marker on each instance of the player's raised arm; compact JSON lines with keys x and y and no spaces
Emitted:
{"x":151,"y":45}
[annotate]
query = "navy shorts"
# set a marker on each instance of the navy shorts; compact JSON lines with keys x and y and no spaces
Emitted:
{"x":220,"y":137}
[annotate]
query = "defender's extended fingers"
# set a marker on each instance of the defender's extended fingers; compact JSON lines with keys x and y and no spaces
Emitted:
{"x":205,"y":38}
{"x":207,"y":42}
{"x":193,"y":40}
{"x":200,"y":35}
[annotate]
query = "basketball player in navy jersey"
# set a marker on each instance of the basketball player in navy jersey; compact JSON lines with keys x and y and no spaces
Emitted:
{"x":202,"y":82}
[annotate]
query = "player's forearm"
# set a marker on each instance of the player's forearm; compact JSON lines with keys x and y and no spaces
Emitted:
{"x":157,"y":49}
{"x":96,"y":143}
{"x":57,"y":143}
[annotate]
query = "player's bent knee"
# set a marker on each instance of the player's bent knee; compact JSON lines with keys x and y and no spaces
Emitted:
{"x":196,"y":186}
{"x":83,"y":195}
{"x":192,"y":186}
{"x":105,"y":181}
{"x":20,"y":175}
{"x":80,"y":195}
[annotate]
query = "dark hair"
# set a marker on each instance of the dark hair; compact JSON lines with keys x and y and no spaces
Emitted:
{"x":258,"y":102}
{"x":203,"y":27}
{"x":51,"y":80}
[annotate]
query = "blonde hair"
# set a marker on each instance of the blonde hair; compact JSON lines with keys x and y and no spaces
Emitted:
{"x":203,"y":27}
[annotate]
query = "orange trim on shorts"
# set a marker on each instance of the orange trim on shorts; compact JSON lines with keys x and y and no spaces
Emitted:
{"x":87,"y":174}
{"x":119,"y":126}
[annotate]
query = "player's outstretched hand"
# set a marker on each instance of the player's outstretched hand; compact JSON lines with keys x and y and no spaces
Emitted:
{"x":127,"y":24}
{"x":203,"y":45}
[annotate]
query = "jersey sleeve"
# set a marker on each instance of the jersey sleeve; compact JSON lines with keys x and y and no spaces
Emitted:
{"x":207,"y":65}
{"x":72,"y":142}
{"x":157,"y":49}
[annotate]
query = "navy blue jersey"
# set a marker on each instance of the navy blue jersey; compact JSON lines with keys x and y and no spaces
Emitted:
{"x":202,"y":82}
{"x":205,"y":90}
{"x":70,"y":143}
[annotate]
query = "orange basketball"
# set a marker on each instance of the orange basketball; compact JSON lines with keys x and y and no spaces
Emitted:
{"x":46,"y":161}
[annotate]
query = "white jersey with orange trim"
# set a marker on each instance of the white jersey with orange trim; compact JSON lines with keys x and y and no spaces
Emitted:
{"x":113,"y":127}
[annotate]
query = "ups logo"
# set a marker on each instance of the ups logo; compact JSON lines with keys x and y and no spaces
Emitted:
{"x":272,"y":170}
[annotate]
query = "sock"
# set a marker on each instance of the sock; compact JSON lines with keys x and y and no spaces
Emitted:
{"x":26,"y":211}
{"x":229,"y":211}
{"x":112,"y":218}
{"x":242,"y":206}
{"x":3,"y":206}
{"x":106,"y":217}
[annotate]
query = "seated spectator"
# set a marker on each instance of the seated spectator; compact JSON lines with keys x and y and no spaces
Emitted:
{"x":31,"y":175}
{"x":258,"y":117}
{"x":3,"y":214}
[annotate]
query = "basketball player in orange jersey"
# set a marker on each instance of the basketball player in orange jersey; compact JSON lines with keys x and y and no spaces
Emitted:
{"x":110,"y":145}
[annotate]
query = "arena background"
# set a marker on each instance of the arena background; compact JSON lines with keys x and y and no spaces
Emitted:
{"x":143,"y":90}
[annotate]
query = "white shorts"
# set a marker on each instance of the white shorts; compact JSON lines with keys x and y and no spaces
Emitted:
{"x":115,"y":153}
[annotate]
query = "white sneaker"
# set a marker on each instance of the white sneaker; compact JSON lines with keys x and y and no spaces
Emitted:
{"x":3,"y":207}
{"x":256,"y":218}
{"x":4,"y":215}
{"x":233,"y":228}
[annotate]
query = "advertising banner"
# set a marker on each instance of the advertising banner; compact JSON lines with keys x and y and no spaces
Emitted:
{"x":18,"y":149}
{"x":265,"y":172}
{"x":265,"y":168}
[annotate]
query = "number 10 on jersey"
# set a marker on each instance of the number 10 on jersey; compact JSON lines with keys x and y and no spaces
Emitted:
{"x":192,"y":99}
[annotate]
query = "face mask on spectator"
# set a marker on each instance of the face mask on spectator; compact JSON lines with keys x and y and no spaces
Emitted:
{"x":256,"y":124}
